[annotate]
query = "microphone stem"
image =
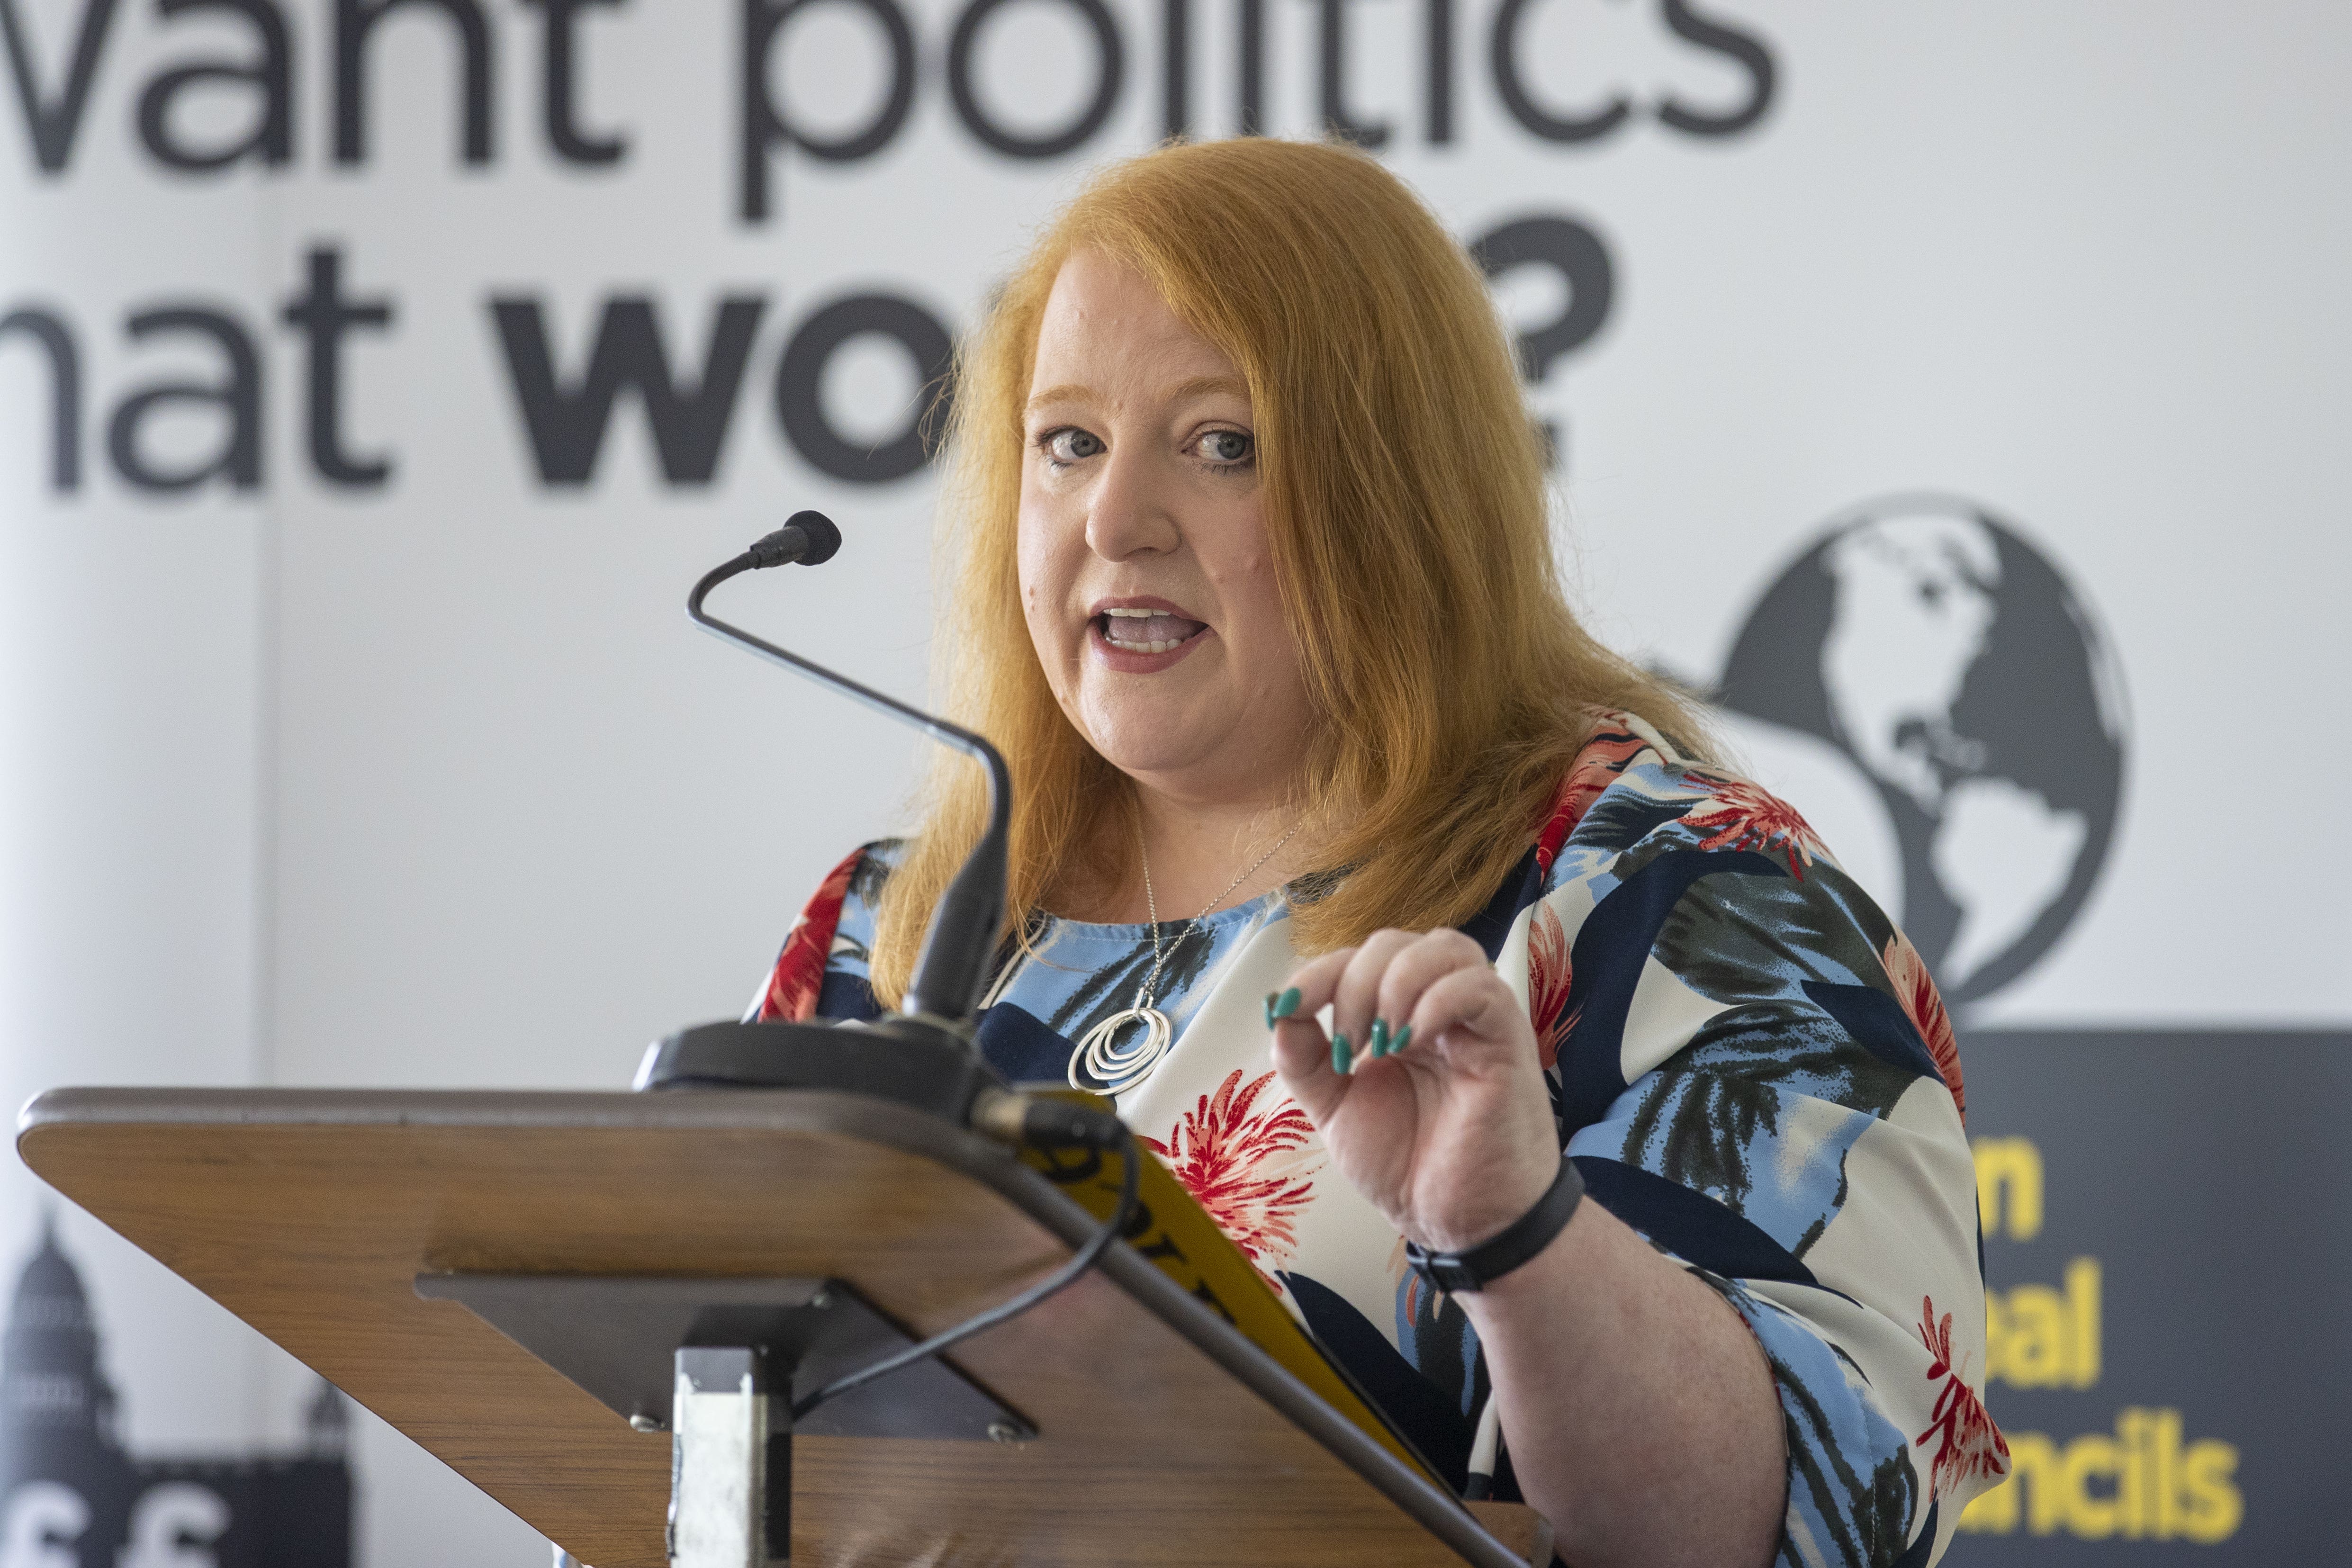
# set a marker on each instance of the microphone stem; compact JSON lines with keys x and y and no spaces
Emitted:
{"x":962,"y":933}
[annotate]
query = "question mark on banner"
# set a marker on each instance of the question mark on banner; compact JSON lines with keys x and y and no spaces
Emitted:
{"x":1574,"y":252}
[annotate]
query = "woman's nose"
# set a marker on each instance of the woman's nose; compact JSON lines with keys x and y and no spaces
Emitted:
{"x":1130,"y":514}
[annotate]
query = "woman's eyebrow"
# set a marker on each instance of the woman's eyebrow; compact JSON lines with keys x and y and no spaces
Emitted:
{"x":1068,"y":392}
{"x":1211,"y":385}
{"x":1199,"y":386}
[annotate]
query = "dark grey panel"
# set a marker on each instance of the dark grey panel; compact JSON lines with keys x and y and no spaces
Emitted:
{"x":2208,"y":1174}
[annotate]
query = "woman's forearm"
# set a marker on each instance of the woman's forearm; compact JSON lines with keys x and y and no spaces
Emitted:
{"x":1640,"y":1415}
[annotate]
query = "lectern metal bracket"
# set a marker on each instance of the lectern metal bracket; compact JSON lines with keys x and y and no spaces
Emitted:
{"x":718,"y":1363}
{"x":617,"y":1339}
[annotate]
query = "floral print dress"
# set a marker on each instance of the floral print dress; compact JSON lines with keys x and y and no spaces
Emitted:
{"x":1747,"y":1060}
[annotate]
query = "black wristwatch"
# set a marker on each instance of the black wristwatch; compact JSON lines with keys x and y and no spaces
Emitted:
{"x":1521,"y":1239}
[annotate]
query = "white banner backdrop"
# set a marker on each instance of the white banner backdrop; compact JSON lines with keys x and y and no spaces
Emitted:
{"x":375,"y":376}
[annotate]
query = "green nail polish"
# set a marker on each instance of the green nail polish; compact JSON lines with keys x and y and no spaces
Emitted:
{"x":1269,"y":1009}
{"x":1339,"y":1053}
{"x":1403,"y":1035}
{"x":1286,"y":1004}
{"x":1378,"y":1038}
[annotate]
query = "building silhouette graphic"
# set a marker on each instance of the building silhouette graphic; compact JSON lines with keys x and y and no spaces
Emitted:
{"x":72,"y":1496}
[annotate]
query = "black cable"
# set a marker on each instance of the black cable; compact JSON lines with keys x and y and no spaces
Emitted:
{"x":1131,"y":1173}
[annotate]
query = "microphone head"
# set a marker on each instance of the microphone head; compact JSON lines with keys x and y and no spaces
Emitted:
{"x":824,"y":538}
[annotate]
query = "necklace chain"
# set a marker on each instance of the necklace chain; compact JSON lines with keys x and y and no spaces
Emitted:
{"x":1121,"y":1068}
{"x":1152,"y":904}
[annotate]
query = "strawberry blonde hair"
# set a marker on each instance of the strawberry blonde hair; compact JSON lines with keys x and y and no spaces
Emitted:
{"x":1403,"y":493}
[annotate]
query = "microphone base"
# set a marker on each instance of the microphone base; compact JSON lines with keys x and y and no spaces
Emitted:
{"x":907,"y":1060}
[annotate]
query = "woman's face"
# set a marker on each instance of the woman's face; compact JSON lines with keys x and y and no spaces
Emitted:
{"x":1145,"y":574}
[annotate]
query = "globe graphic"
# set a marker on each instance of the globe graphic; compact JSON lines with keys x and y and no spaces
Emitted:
{"x":1965,"y":684}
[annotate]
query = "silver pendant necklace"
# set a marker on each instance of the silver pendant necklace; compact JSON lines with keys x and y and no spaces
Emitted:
{"x":1122,"y":1067}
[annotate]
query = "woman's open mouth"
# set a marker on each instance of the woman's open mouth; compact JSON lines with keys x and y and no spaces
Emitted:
{"x":1143,"y":639}
{"x":1146,"y":631}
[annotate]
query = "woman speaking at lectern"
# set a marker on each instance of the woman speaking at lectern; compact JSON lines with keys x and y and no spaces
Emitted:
{"x":1256,"y":592}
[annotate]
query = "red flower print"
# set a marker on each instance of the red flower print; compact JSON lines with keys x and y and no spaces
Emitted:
{"x":1245,"y":1166}
{"x":1924,"y":1008}
{"x":1967,"y":1444}
{"x":799,"y":974}
{"x":1747,"y":816}
{"x":1415,"y":1286}
{"x":1596,"y":767}
{"x":1549,"y":974}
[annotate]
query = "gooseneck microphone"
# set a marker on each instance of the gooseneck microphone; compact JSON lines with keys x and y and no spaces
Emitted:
{"x":924,"y":1055}
{"x":961,"y":937}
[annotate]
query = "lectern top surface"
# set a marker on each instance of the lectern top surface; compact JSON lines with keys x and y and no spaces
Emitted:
{"x":1162,"y":1438}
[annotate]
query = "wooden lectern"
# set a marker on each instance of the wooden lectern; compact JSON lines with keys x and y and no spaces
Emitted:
{"x":379,"y":1237}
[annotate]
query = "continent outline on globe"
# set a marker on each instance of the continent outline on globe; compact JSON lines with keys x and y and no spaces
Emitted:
{"x":1967,"y":680}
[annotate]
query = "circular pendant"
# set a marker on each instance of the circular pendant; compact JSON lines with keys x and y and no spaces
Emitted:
{"x":1118,"y":1067}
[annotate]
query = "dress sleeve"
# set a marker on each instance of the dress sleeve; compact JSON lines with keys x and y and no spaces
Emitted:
{"x":822,"y":971}
{"x":1751,"y":1067}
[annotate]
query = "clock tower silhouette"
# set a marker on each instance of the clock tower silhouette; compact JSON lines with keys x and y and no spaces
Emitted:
{"x":71,"y":1495}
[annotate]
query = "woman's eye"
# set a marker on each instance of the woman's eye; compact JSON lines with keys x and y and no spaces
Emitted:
{"x":1072,"y":445}
{"x":1225,"y":447}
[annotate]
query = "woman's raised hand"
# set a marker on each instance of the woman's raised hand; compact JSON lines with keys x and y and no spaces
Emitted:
{"x":1427,"y":1090}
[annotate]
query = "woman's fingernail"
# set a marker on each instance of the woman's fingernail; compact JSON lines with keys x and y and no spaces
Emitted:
{"x":1378,"y":1039}
{"x":1269,"y":1009}
{"x":1286,"y":1004}
{"x":1403,"y":1037}
{"x":1339,"y":1053}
